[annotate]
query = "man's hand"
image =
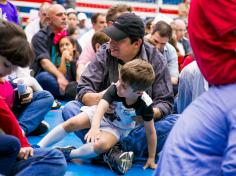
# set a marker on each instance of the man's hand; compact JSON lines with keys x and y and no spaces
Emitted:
{"x":29,"y":96}
{"x":150,"y":164}
{"x":25,"y":153}
{"x":62,"y":82}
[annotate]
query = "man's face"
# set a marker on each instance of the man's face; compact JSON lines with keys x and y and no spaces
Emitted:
{"x":180,"y":30}
{"x":122,"y":49}
{"x":6,"y":67}
{"x":57,"y":18}
{"x":160,"y":42}
{"x":100,"y":23}
{"x":43,"y":17}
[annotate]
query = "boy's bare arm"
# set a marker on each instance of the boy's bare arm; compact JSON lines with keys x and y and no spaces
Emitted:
{"x":94,"y":132}
{"x":157,"y":113}
{"x":152,"y":143}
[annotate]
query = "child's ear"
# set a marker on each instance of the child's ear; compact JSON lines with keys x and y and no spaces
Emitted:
{"x":97,"y":46}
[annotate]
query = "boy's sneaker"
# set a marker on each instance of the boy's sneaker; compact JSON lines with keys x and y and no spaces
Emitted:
{"x":118,"y":160}
{"x":66,"y":151}
{"x":41,"y":129}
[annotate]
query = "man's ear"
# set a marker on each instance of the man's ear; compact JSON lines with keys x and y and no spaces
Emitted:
{"x":138,"y":43}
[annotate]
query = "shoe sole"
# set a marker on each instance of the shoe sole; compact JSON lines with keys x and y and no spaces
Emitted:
{"x":125,"y":162}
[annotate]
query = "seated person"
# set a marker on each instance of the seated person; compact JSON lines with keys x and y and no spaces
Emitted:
{"x":29,"y":110}
{"x":46,"y":45}
{"x":129,"y":101}
{"x":15,"y":51}
{"x":97,"y":40}
{"x":68,"y":56}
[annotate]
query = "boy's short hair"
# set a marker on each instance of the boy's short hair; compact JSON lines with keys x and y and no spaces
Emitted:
{"x":138,"y":74}
{"x":99,"y":37}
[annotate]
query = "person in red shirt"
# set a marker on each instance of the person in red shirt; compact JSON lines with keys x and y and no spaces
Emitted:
{"x":212,"y":36}
{"x":18,"y":157}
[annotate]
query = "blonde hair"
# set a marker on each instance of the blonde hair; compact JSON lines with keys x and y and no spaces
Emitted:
{"x":138,"y":74}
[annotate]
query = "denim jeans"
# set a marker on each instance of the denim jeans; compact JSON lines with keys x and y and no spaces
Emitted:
{"x":33,"y":114}
{"x":9,"y":149}
{"x":49,"y":83}
{"x":191,"y":85}
{"x":136,"y":140}
{"x":50,"y":162}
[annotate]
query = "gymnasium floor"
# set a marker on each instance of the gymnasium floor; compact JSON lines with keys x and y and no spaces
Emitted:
{"x":78,"y":168}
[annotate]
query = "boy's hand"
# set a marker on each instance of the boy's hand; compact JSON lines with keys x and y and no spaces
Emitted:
{"x":25,"y":152}
{"x":150,"y":164}
{"x":93,"y":135}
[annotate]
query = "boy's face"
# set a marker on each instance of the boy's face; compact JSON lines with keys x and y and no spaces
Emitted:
{"x":6,"y":67}
{"x":124,"y":90}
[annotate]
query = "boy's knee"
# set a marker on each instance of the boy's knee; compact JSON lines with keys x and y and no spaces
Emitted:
{"x":100,"y":147}
{"x":69,"y":126}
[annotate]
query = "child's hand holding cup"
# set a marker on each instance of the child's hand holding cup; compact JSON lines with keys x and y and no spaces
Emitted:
{"x":22,"y":89}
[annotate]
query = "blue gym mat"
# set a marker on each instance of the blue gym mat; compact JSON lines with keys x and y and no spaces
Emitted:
{"x":77,"y":167}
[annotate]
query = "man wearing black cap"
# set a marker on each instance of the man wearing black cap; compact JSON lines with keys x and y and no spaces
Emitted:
{"x":126,"y":44}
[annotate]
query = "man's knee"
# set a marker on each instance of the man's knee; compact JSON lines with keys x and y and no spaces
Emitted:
{"x":71,"y":109}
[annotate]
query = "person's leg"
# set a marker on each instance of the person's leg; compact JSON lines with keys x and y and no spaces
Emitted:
{"x":91,"y":150}
{"x":9,"y":149}
{"x":35,"y":112}
{"x":76,"y":123}
{"x":70,"y":110}
{"x":136,"y":140}
{"x":49,"y":83}
{"x":43,"y":162}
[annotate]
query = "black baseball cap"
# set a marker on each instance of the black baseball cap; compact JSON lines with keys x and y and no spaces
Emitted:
{"x":126,"y":25}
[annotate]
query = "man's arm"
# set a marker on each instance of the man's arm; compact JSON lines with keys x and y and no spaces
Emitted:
{"x":93,"y":81}
{"x":51,"y":68}
{"x":172,"y":63}
{"x":41,"y":46}
{"x":162,"y":90}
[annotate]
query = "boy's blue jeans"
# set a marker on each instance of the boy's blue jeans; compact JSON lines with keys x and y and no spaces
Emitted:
{"x":33,"y":114}
{"x":136,"y":140}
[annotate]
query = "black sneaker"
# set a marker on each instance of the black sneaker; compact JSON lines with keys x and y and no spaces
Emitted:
{"x":118,"y":160}
{"x":41,"y":129}
{"x":56,"y":105}
{"x":66,"y":151}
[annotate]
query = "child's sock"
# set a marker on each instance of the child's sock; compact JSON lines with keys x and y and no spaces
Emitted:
{"x":84,"y":152}
{"x":54,"y":136}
